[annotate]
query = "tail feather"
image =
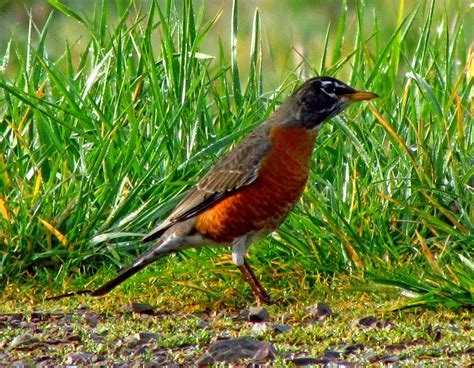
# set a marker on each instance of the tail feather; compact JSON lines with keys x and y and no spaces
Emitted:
{"x":117,"y":280}
{"x":141,"y":262}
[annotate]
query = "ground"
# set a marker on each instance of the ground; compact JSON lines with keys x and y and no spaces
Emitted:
{"x":341,"y":327}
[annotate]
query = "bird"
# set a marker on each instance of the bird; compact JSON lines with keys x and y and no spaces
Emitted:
{"x":250,"y":191}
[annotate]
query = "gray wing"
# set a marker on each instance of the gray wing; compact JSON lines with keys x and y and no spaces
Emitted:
{"x":236,"y":169}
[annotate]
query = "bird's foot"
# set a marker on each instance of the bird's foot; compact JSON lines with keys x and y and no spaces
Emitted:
{"x":263,"y":298}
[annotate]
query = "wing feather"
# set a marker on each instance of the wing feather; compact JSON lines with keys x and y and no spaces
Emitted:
{"x":236,"y":169}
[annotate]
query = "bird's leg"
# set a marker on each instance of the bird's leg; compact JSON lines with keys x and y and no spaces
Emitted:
{"x":257,"y":289}
{"x":261,"y":290}
{"x":261,"y":296}
{"x":239,"y":248}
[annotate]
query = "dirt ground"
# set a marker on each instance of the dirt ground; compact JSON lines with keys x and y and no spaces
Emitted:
{"x":137,"y":334}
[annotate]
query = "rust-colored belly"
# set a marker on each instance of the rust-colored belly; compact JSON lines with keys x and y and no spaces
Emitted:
{"x":263,"y":205}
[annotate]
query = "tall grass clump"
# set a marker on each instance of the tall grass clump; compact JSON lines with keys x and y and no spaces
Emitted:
{"x":99,"y":147}
{"x":100,"y":143}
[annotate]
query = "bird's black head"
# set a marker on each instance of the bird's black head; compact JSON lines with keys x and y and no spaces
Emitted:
{"x":321,"y":98}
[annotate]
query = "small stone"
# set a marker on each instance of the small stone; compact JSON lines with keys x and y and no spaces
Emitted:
{"x":131,"y":340}
{"x":23,"y":340}
{"x":258,"y":314}
{"x":281,"y":328}
{"x":351,"y":348}
{"x":39,"y":316}
{"x":323,"y":309}
{"x":80,"y":358}
{"x":54,"y":341}
{"x":319,"y":311}
{"x":332,"y":354}
{"x":92,"y":318}
{"x":391,"y":359}
{"x":366,"y":322}
{"x":205,"y":360}
{"x":57,"y":314}
{"x":141,"y":308}
{"x":45,"y":362}
{"x":15,"y":317}
{"x":74,"y":339}
{"x":236,"y":349}
{"x":372,"y":322}
{"x":395,"y":347}
{"x":300,"y":362}
{"x":384,"y":324}
{"x":139,"y":338}
{"x":242,"y":316}
{"x":371,"y":357}
{"x":66,"y":319}
{"x":265,"y":352}
{"x":147,"y":336}
{"x":259,"y":328}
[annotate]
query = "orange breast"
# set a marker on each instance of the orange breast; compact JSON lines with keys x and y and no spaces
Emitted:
{"x":264,"y":204}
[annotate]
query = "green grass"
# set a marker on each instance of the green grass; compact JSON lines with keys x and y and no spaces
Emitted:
{"x":99,"y":143}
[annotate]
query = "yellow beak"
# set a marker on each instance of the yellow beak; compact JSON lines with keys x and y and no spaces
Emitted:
{"x":361,"y":95}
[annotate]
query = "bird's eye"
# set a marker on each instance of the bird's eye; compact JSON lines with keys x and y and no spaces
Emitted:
{"x":331,"y":90}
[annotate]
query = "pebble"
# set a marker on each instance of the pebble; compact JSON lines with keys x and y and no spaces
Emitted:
{"x":232,"y":350}
{"x":83,"y":358}
{"x":260,"y":328}
{"x":319,"y":311}
{"x":23,"y":341}
{"x":139,"y":338}
{"x":141,"y":308}
{"x":281,"y":328}
{"x":301,"y":362}
{"x":258,"y":314}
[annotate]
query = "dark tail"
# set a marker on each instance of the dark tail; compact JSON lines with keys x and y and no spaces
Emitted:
{"x":141,"y":262}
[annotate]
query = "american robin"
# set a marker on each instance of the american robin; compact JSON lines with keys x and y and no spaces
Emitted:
{"x":251,"y":190}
